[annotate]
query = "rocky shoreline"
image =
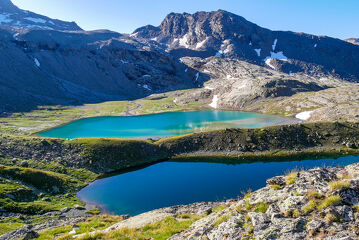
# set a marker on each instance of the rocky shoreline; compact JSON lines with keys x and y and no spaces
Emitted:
{"x":320,"y":203}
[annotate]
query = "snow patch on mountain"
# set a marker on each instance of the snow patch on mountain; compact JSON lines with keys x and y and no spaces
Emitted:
{"x":145,"y":86}
{"x":197,"y":76}
{"x":184,"y":41}
{"x":219,"y":54}
{"x":304,"y":115}
{"x":274,"y":44}
{"x":214,"y":103}
{"x":269,"y":63}
{"x":258,"y":51}
{"x":201,"y":44}
{"x":225,"y":48}
{"x":37,"y":63}
{"x":5,"y":18}
{"x":275,"y":55}
{"x":36,"y":20}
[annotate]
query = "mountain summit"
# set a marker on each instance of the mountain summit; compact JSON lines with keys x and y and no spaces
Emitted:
{"x":12,"y":16}
{"x":221,"y":33}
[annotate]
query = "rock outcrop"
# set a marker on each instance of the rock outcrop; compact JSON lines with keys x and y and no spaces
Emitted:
{"x":320,"y":203}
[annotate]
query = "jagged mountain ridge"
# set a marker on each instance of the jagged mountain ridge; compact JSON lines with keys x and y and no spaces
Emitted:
{"x":41,"y":66}
{"x":222,"y":33}
{"x":12,"y":16}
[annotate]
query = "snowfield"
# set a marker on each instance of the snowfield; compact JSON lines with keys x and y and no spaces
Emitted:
{"x":304,"y":115}
{"x":214,"y":103}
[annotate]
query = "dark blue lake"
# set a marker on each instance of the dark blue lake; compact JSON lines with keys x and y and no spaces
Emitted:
{"x":173,"y":183}
{"x":161,"y":125}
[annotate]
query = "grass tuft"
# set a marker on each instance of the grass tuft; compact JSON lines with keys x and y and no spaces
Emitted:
{"x":261,"y":207}
{"x":221,"y":219}
{"x":291,"y":177}
{"x":329,"y":201}
{"x":337,"y":185}
{"x":310,"y":206}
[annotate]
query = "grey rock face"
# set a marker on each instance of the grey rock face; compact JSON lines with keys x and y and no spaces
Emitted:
{"x":222,"y":33}
{"x":12,"y":16}
{"x":279,"y":180}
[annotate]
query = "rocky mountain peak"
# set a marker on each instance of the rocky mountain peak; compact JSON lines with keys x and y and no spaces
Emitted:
{"x":224,"y":34}
{"x":219,"y":25}
{"x":12,"y":16}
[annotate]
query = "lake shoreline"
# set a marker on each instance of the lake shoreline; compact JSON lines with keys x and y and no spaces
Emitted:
{"x":123,"y":192}
{"x":85,"y":159}
{"x":208,"y":118}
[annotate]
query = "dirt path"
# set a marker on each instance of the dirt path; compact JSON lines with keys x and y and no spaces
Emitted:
{"x":129,"y":112}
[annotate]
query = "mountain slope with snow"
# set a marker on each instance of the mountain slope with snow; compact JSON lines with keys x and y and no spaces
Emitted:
{"x":12,"y":16}
{"x":221,"y":33}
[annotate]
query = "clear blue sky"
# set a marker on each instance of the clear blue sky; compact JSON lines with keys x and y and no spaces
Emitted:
{"x":335,"y":18}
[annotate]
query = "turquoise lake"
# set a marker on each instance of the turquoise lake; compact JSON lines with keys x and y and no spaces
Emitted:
{"x":174,"y":183}
{"x":160,"y":125}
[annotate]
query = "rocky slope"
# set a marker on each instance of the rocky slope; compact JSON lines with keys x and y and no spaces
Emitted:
{"x":46,"y":67}
{"x":18,"y":19}
{"x":54,"y":62}
{"x":225,"y":34}
{"x":314,"y":204}
{"x":239,"y":85}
